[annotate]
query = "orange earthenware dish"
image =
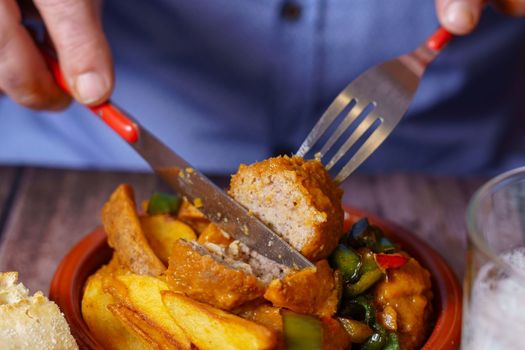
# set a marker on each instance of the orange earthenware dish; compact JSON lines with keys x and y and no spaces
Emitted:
{"x":92,"y":252}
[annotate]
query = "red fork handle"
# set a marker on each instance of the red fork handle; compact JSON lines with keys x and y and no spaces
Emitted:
{"x":109,"y":113}
{"x":439,"y":39}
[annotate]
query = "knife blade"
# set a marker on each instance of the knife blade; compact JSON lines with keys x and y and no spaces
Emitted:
{"x":216,"y":205}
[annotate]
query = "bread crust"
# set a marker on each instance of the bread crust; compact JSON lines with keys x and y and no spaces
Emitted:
{"x":30,"y":322}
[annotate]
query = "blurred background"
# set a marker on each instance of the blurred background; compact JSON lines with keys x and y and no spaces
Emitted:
{"x":226,"y":82}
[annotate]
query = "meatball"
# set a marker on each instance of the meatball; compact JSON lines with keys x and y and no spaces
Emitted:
{"x":297,"y":198}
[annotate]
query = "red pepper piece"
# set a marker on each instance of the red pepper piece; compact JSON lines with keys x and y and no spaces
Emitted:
{"x":390,"y":261}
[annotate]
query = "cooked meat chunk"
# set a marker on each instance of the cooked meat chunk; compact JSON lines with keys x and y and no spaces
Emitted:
{"x":211,"y":278}
{"x":309,"y":291}
{"x":297,"y":198}
{"x":334,"y":335}
{"x":263,"y":268}
{"x":405,"y":294}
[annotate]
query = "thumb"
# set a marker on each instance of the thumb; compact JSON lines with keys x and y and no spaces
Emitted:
{"x":76,"y":31}
{"x":459,"y":16}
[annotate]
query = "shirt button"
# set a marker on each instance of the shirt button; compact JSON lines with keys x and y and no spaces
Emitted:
{"x":291,"y":11}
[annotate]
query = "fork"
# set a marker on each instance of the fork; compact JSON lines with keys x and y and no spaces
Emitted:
{"x":374,"y":102}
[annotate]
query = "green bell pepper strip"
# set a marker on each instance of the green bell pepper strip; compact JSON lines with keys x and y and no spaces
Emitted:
{"x":386,"y":245}
{"x":302,"y":332}
{"x":163,"y":203}
{"x":367,"y":280}
{"x":358,"y":331}
{"x":359,"y":228}
{"x":360,"y":308}
{"x":392,"y":342}
{"x":368,"y":261}
{"x":362,"y":234}
{"x":347,"y":261}
{"x":376,"y":342}
{"x":370,"y":274}
{"x":381,"y":339}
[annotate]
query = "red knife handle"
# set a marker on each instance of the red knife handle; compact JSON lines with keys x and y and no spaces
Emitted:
{"x":117,"y":120}
{"x":110,"y":114}
{"x":439,"y":39}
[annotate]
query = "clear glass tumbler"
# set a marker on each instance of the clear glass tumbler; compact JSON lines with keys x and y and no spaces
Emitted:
{"x":494,"y":289}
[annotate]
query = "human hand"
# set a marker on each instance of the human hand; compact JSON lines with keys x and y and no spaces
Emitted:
{"x":461,"y":16}
{"x":75,"y":29}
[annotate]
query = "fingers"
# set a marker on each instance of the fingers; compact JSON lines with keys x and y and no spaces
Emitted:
{"x":83,"y":52}
{"x":24,"y":76}
{"x":459,"y":16}
{"x":511,"y":7}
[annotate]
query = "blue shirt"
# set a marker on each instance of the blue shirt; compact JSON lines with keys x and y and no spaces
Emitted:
{"x":225,"y":82}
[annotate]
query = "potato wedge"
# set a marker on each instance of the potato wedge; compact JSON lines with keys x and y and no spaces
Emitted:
{"x":265,"y":315}
{"x":213,"y":234}
{"x":162,"y":231}
{"x":148,"y":333}
{"x":192,"y":216}
{"x":125,"y":234}
{"x":210,"y":328}
{"x":106,"y":328}
{"x":141,"y":295}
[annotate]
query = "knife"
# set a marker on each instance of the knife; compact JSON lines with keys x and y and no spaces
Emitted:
{"x":216,"y":205}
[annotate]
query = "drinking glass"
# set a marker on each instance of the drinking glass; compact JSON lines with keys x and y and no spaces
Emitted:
{"x":494,"y":288}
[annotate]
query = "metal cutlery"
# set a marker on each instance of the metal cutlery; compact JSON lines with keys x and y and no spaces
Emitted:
{"x":189,"y":182}
{"x":374,"y":104}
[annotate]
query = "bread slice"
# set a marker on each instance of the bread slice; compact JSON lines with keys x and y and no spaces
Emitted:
{"x":297,"y":198}
{"x":30,"y":322}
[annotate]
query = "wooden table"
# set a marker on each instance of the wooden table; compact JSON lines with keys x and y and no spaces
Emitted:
{"x":43,"y":212}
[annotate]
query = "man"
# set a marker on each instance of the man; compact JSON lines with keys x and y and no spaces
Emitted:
{"x":230,"y":81}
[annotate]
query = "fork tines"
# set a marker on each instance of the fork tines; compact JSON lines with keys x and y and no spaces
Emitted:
{"x":352,"y":118}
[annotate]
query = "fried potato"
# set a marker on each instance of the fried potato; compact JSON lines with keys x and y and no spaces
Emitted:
{"x":265,"y":315}
{"x":192,"y":216}
{"x":142,"y":309}
{"x":162,"y":231}
{"x":114,"y":267}
{"x":210,"y":328}
{"x":126,"y":236}
{"x":148,"y":334}
{"x":106,"y":328}
{"x":295,"y":291}
{"x":213,"y":234}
